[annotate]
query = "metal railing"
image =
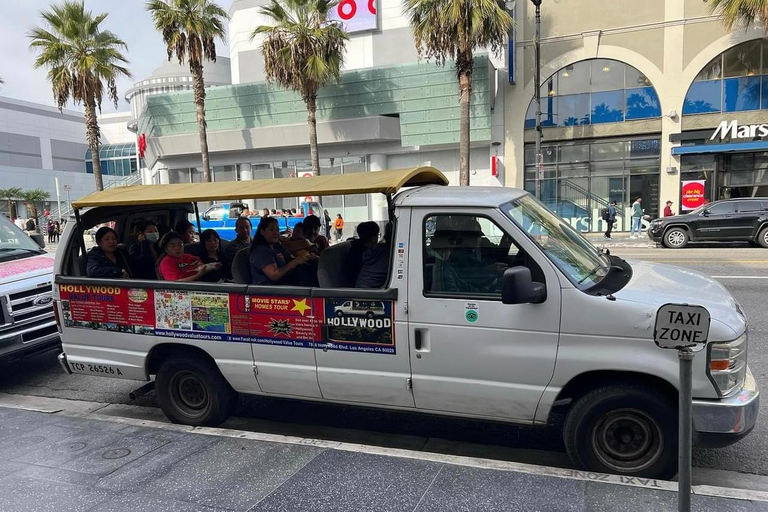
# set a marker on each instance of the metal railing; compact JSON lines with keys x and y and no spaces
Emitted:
{"x":132,"y":179}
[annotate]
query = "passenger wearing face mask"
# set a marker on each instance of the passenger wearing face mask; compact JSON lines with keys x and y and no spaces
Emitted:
{"x":142,"y":255}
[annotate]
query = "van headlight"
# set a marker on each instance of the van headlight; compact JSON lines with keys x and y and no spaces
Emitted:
{"x":727,"y":365}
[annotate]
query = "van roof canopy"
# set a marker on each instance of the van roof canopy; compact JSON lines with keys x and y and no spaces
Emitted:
{"x":384,"y":182}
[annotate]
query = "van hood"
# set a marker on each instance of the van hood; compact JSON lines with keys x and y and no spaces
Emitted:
{"x":656,"y":284}
{"x":25,"y":268}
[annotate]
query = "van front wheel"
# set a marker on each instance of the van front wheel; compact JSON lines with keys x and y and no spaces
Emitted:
{"x":625,"y":430}
{"x":192,"y":391}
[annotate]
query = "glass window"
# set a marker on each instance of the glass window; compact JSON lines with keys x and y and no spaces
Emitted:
{"x":697,"y":162}
{"x":355,"y":200}
{"x":607,"y":107}
{"x":573,"y":170}
{"x":741,"y":94}
{"x":764,"y":90}
{"x":725,"y":208}
{"x":703,"y":97}
{"x":607,"y":75}
{"x":644,"y":148}
{"x":608,"y":150}
{"x":742,"y":60}
{"x":329,"y":202}
{"x":574,"y":153}
{"x":634,"y":78}
{"x":749,"y":206}
{"x":547,"y":112}
{"x":573,"y":110}
{"x":642,"y":103}
{"x":573,"y":79}
{"x":225,"y":173}
{"x":284,"y":169}
{"x":712,"y":71}
{"x":196,"y":175}
{"x":261,"y":171}
{"x":353,"y":164}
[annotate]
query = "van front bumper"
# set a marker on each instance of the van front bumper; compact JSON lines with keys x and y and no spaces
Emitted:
{"x":718,"y":423}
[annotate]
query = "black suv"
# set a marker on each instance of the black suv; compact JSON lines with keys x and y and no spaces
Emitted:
{"x":722,"y":221}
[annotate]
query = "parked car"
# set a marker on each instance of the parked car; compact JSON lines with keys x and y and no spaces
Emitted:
{"x":730,"y":220}
{"x":222,"y":218}
{"x":27,"y":324}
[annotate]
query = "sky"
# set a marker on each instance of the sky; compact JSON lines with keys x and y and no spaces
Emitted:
{"x":127,"y":19}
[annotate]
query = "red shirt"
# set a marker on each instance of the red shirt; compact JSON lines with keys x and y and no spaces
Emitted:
{"x":173,"y":269}
{"x":668,"y":211}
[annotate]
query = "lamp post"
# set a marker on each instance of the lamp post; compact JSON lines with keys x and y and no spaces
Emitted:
{"x":537,"y":50}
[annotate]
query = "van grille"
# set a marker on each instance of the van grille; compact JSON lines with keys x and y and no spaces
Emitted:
{"x":28,"y":313}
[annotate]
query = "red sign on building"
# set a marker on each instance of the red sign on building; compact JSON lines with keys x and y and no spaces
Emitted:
{"x":693,"y":194}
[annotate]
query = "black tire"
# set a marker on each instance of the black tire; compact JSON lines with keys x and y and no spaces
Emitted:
{"x":645,"y":419}
{"x":192,"y":391}
{"x":675,"y":238}
{"x":762,"y":237}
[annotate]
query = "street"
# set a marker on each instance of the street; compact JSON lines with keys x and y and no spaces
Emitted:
{"x":744,"y":271}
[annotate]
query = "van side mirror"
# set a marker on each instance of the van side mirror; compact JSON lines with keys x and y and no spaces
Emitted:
{"x":517,"y":287}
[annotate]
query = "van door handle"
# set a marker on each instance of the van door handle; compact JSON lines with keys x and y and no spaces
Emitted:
{"x":417,"y":339}
{"x":421,"y":340}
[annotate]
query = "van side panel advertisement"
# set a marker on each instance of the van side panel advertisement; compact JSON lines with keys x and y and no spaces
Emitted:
{"x":303,"y":322}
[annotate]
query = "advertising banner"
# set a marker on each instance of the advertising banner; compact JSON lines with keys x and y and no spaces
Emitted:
{"x":692,"y":194}
{"x":356,"y":15}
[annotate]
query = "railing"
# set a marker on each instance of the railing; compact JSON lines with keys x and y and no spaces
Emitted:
{"x":132,"y":179}
{"x":582,"y":197}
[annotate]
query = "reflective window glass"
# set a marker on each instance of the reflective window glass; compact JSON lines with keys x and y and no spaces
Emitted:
{"x":634,"y":78}
{"x":607,"y":75}
{"x":574,"y":153}
{"x":608,"y":150}
{"x":353,"y":164}
{"x":547,"y":112}
{"x":261,"y":171}
{"x":712,"y":71}
{"x":642,"y":103}
{"x":703,"y":97}
{"x":741,"y":94}
{"x":742,"y":60}
{"x":722,"y":208}
{"x":607,"y":107}
{"x":644,"y":148}
{"x":284,"y":169}
{"x":573,"y":79}
{"x":573,"y":110}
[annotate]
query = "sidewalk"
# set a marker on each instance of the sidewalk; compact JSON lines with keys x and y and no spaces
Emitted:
{"x":619,"y":239}
{"x":81,"y":461}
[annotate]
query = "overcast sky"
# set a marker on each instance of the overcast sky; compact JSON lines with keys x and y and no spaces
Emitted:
{"x":127,"y":19}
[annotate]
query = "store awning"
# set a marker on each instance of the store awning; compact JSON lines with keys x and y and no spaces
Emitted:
{"x":734,"y":147}
{"x":383,"y":182}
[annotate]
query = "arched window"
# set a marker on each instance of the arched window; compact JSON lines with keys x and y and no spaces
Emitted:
{"x":734,"y":81}
{"x":595,"y":91}
{"x":116,"y":159}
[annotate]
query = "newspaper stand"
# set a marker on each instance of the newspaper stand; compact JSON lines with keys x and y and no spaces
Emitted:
{"x":684,"y":328}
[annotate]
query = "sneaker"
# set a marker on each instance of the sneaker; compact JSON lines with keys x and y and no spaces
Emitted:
{"x":632,"y":236}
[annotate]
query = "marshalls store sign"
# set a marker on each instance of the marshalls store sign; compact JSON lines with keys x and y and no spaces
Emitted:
{"x":732,"y":130}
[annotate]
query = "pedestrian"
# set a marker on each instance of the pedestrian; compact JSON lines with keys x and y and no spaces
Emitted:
{"x":668,"y":210}
{"x":611,"y":218}
{"x":31,"y":226}
{"x":50,"y":229}
{"x":327,"y":222}
{"x":56,"y":231}
{"x":338,"y":226}
{"x":637,"y":217}
{"x":265,"y":213}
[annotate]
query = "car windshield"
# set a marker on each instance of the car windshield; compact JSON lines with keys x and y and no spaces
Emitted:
{"x":578,"y":259}
{"x":14,"y":241}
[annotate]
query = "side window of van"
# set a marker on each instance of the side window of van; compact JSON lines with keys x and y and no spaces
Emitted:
{"x":467,"y":255}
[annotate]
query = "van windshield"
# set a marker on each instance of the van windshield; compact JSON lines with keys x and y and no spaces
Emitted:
{"x":14,"y":243}
{"x":578,"y":259}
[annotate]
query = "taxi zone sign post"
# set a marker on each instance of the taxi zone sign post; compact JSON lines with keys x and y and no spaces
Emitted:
{"x":684,"y":328}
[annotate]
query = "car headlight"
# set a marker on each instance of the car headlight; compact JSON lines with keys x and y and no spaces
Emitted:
{"x":727,"y":365}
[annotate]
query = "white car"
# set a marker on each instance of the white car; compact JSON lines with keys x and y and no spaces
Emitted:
{"x":368,"y":309}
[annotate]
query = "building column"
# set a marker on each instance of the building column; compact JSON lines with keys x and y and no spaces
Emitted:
{"x":246,"y":174}
{"x":164,"y":176}
{"x":671,"y":94}
{"x":377,"y":203}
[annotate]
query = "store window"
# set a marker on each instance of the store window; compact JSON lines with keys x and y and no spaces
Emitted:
{"x":734,"y":81}
{"x":593,"y":92}
{"x":115,"y":159}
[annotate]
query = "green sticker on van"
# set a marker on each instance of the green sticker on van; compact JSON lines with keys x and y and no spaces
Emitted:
{"x":471,"y":316}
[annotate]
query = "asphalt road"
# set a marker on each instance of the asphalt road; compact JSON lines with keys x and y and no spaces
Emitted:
{"x":744,"y":271}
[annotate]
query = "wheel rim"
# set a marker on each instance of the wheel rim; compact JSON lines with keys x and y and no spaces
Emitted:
{"x":189,"y":394}
{"x":676,"y":238}
{"x":628,"y":440}
{"x":765,"y":237}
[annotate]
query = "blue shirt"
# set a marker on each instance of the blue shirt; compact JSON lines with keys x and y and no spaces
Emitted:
{"x":264,"y":255}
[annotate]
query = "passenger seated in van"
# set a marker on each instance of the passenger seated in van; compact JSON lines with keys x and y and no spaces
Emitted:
{"x":353,"y":262}
{"x":142,"y":255}
{"x":211,"y":253}
{"x":271,"y":263}
{"x":312,"y":233}
{"x":446,"y":276}
{"x":106,"y":260}
{"x":186,"y":230}
{"x":243,"y":228}
{"x":176,"y":265}
{"x":375,"y":264}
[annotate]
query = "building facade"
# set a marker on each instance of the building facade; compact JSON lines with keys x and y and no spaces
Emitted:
{"x":636,"y":102}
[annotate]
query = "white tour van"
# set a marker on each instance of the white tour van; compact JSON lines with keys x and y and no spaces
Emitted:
{"x":494,"y":308}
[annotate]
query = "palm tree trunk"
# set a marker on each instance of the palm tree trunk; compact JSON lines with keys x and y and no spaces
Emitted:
{"x":465,"y":91}
{"x":199,"y":86}
{"x":92,"y":129}
{"x":312,"y":121}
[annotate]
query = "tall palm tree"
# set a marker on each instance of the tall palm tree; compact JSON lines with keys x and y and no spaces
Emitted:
{"x":82,"y":60}
{"x":303,"y":51}
{"x":454,"y":29}
{"x":32,"y":197}
{"x":190,"y":29}
{"x":10,"y":194}
{"x":741,"y":12}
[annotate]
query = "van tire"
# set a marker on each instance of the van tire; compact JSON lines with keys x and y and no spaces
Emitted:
{"x":762,"y":237}
{"x":643,"y":416}
{"x":192,"y":391}
{"x":675,"y":238}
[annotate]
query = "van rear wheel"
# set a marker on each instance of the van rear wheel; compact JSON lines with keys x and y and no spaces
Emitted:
{"x":192,"y":391}
{"x":623,"y":429}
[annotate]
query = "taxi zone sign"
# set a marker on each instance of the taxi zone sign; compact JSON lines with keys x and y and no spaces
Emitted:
{"x":681,"y":326}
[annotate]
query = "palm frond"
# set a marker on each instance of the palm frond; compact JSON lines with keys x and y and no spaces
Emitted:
{"x":741,"y":13}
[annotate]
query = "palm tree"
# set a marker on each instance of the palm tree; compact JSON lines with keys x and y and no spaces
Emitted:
{"x":741,"y":12}
{"x":454,"y":29}
{"x":10,"y":194}
{"x":32,"y":197}
{"x":81,"y":59}
{"x":303,"y":51}
{"x":190,"y":29}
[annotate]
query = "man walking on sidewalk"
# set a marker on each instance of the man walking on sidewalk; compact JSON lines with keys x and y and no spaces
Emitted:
{"x":611,"y":218}
{"x":637,"y":217}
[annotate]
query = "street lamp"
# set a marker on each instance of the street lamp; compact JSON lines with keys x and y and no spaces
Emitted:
{"x":537,"y":49}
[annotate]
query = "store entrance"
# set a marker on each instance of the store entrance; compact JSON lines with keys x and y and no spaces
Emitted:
{"x":728,"y":176}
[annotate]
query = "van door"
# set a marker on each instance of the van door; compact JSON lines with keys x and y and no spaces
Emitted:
{"x":470,"y":353}
{"x":365,"y":356}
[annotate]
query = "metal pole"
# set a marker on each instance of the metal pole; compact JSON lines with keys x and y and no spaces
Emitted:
{"x":69,"y":203}
{"x":684,"y":434}
{"x":537,"y":48}
{"x":58,"y":198}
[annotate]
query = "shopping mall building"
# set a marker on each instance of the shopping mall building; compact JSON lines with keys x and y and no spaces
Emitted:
{"x":632,"y":99}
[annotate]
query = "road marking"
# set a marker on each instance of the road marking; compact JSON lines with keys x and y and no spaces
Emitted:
{"x":90,"y":410}
{"x":740,"y":277}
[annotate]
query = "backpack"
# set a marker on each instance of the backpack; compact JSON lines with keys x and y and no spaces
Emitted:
{"x":605,"y":214}
{"x":30,"y":225}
